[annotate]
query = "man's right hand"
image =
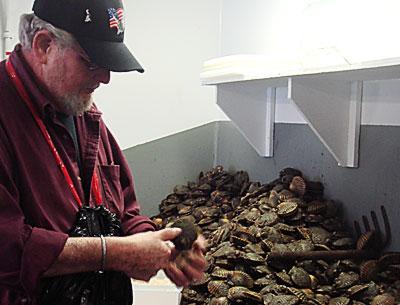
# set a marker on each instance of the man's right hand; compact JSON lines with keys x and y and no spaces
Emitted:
{"x":141,"y":255}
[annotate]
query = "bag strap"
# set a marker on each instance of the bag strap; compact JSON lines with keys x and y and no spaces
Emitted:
{"x":26,"y":98}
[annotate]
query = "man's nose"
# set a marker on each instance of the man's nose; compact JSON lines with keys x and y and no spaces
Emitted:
{"x":103,"y":76}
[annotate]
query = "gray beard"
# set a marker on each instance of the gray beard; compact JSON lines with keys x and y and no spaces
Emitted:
{"x":72,"y":105}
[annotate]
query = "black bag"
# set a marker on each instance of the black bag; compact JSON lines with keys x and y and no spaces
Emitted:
{"x":89,"y":288}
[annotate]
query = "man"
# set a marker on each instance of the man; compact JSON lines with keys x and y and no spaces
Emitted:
{"x":68,"y":48}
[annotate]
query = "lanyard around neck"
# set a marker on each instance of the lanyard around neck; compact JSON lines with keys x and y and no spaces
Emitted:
{"x":26,"y":98}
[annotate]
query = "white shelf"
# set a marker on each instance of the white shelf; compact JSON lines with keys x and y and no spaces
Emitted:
{"x":329,"y":98}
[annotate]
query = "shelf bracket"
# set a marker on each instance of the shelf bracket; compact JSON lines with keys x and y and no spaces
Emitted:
{"x":251,"y":108}
{"x":332,"y":108}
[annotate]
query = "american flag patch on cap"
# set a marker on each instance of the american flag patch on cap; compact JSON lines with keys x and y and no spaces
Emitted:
{"x":116,"y":17}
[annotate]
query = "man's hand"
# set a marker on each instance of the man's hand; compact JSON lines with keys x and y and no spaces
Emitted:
{"x":188,"y":266}
{"x":142,"y":255}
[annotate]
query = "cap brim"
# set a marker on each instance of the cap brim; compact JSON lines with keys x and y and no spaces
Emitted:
{"x":110,"y":55}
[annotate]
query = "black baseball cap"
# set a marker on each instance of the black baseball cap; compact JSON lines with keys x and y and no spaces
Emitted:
{"x":98,"y":26}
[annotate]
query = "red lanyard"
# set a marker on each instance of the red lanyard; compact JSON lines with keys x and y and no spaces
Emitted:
{"x":22,"y":92}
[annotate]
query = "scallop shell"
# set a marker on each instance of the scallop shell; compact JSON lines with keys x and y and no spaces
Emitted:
{"x":368,"y":240}
{"x":316,"y":207}
{"x":211,"y":212}
{"x":273,"y":199}
{"x":171,"y":199}
{"x":298,"y":185}
{"x":185,"y":240}
{"x":252,"y":215}
{"x":239,"y":278}
{"x":285,"y":195}
{"x":285,"y":229}
{"x":266,"y":245}
{"x":243,"y":294}
{"x":314,"y":281}
{"x":383,"y":299}
{"x":305,"y":233}
{"x":206,"y":278}
{"x":368,"y":270}
{"x":256,"y":248}
{"x":263,"y":281}
{"x":220,"y":273}
{"x":245,"y":233}
{"x":284,"y":278}
{"x":205,"y":221}
{"x":322,"y":299}
{"x":278,"y":187}
{"x":286,"y":179}
{"x":346,"y":280}
{"x":356,"y":290}
{"x":300,"y":277}
{"x":158,"y":222}
{"x":239,"y":241}
{"x":181,"y":190}
{"x":219,"y":301}
{"x":343,"y":243}
{"x":253,"y":258}
{"x":223,"y":263}
{"x":281,"y":299}
{"x":235,"y":202}
{"x":267,"y":219}
{"x":300,"y":294}
{"x":184,"y":209}
{"x":262,"y":270}
{"x":192,"y":296}
{"x":218,"y":288}
{"x":218,"y":196}
{"x":287,"y":209}
{"x":300,"y":202}
{"x":320,"y":235}
{"x":290,"y":171}
{"x":339,"y":301}
{"x":168,"y":209}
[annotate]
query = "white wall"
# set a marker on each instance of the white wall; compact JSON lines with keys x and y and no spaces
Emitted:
{"x":10,"y":10}
{"x":355,"y":30}
{"x":261,"y":27}
{"x":171,"y":39}
{"x":319,"y":32}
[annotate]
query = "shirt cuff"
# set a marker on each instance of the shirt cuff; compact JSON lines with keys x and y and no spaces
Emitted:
{"x":41,"y":250}
{"x":139,"y":224}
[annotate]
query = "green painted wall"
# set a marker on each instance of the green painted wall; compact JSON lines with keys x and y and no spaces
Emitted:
{"x":159,"y":165}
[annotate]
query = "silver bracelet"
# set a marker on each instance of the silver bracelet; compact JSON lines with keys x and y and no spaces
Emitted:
{"x":103,"y":254}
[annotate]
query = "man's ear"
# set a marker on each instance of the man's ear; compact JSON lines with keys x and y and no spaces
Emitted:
{"x":42,"y":43}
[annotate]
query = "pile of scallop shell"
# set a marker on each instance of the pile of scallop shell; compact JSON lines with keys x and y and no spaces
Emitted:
{"x":257,"y":234}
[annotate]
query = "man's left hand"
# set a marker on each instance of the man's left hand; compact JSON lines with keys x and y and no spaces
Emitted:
{"x":189,"y":265}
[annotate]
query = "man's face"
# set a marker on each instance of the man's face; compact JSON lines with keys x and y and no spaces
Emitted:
{"x":71,"y":78}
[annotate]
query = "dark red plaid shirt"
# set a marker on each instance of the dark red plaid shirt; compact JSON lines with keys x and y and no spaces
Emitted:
{"x":37,"y":208}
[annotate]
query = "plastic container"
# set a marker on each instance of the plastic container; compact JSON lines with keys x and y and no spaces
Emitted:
{"x":159,"y":290}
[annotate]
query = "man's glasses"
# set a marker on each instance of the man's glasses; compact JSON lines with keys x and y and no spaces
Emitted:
{"x":91,"y":66}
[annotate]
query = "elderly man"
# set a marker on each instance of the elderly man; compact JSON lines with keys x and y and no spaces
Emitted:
{"x":57,"y":157}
